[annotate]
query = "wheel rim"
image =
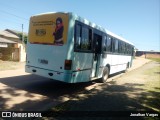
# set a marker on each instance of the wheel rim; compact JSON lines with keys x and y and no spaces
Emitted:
{"x":105,"y":75}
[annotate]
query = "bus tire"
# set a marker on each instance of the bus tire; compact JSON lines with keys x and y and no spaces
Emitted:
{"x":105,"y":75}
{"x":127,"y":67}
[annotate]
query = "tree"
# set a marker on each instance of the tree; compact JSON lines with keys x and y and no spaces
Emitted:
{"x":25,"y":37}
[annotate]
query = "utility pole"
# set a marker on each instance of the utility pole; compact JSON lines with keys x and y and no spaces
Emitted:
{"x":22,"y":35}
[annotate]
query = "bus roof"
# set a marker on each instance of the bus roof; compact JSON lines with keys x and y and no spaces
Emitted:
{"x":50,"y":13}
{"x":119,"y":37}
{"x":83,"y":20}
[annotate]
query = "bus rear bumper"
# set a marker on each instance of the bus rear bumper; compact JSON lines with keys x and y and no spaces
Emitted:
{"x":55,"y":75}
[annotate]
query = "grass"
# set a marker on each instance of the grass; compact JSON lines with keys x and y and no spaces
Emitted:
{"x":154,"y":59}
{"x":10,"y":65}
{"x":152,"y":88}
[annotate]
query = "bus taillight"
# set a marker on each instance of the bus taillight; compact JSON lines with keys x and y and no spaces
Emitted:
{"x":68,"y":64}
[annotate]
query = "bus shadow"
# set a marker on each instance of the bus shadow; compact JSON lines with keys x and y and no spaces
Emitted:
{"x":43,"y":86}
{"x":48,"y":91}
{"x":34,"y":90}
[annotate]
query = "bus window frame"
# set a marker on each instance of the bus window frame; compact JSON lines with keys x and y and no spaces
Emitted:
{"x":91,"y":41}
{"x":121,"y":44}
{"x":107,"y":52}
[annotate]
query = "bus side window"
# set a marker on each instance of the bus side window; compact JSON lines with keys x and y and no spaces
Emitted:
{"x":116,"y":46}
{"x":123,"y":48}
{"x":83,"y":38}
{"x":105,"y":43}
{"x":113,"y":44}
{"x":128,"y":49}
{"x":120,"y":47}
{"x":90,"y":39}
{"x":78,"y":37}
{"x":131,"y":50}
{"x":85,"y":41}
{"x":108,"y":45}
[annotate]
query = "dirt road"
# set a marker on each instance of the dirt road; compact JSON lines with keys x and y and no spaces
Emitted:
{"x":10,"y":65}
{"x":21,"y":91}
{"x":27,"y":92}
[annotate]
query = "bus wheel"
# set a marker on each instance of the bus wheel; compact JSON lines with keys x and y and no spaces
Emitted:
{"x":105,"y":75}
{"x":127,"y":67}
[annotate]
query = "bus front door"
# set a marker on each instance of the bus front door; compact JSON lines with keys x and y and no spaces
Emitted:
{"x":97,"y":40}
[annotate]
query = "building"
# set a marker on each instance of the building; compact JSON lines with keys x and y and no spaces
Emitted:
{"x":148,"y":54}
{"x":11,"y":47}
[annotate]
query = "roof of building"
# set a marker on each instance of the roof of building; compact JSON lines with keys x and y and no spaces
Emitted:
{"x":8,"y":34}
{"x":4,"y":40}
{"x":16,"y":32}
{"x":145,"y":51}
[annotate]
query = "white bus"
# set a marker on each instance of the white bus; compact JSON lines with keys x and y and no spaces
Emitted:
{"x":68,"y":48}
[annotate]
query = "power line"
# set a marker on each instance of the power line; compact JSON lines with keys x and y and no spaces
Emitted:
{"x":14,"y":15}
{"x":5,"y":26}
{"x":6,"y":22}
{"x":5,"y":19}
